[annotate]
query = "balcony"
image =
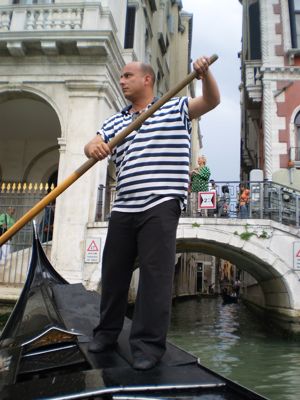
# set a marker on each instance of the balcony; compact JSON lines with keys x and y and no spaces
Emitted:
{"x":56,"y":29}
{"x":253,"y":85}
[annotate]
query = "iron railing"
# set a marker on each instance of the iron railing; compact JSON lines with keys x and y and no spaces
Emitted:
{"x":268,"y":200}
{"x":16,"y":253}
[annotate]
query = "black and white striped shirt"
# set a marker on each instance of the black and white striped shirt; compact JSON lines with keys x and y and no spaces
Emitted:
{"x":152,"y":164}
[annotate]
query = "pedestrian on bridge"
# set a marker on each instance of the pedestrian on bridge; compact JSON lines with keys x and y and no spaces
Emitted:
{"x":152,"y":169}
{"x":244,"y":199}
{"x":199,"y":182}
{"x":224,"y":202}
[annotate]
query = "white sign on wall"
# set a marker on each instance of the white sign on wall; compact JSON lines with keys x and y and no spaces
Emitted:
{"x":92,"y":250}
{"x":296,"y":250}
{"x":207,"y":200}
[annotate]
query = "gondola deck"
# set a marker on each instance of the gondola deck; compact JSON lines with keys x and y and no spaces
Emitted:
{"x":44,"y":351}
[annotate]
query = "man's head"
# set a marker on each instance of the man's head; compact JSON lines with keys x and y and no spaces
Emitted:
{"x":137,"y":81}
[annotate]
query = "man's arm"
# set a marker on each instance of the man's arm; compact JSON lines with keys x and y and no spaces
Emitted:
{"x":210,"y":92}
{"x":97,"y":148}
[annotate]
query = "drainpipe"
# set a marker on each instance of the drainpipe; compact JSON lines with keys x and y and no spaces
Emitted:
{"x":291,"y":169}
{"x":297,"y":210}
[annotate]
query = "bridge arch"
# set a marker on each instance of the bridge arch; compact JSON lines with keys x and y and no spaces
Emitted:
{"x":263,"y":272}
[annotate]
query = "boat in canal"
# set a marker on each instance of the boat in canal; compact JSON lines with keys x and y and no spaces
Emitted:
{"x":229,"y":297}
{"x":44,"y":351}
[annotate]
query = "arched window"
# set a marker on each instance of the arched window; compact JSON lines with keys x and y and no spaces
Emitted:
{"x":294,"y":6}
{"x":297,"y":132}
{"x":255,"y":41}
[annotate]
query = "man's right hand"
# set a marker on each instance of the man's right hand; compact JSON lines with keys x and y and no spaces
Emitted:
{"x":97,"y":149}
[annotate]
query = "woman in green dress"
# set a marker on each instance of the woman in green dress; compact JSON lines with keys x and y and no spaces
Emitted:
{"x":199,"y":182}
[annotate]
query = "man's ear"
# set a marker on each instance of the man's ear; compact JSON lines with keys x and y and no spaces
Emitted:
{"x":148,"y":79}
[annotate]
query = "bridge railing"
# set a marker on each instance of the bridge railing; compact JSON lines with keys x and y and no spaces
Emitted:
{"x":267,"y":200}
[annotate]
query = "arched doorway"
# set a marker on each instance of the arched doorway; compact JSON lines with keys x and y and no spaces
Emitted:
{"x":29,"y":159}
{"x":29,"y":131}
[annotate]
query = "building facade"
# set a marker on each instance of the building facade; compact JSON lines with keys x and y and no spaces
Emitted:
{"x":59,"y":79}
{"x":270,"y":90}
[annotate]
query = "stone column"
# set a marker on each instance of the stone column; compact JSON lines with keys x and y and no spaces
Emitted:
{"x":267,"y":94}
{"x":75,"y":207}
{"x":267,"y":128}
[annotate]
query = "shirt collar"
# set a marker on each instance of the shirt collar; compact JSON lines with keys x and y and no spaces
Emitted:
{"x":125,"y":110}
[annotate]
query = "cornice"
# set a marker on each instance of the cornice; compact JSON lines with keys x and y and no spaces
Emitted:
{"x":280,"y":69}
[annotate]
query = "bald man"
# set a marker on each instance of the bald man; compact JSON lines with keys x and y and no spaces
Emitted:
{"x":152,"y":169}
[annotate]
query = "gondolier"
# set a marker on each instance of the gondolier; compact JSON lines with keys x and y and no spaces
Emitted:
{"x":152,"y":167}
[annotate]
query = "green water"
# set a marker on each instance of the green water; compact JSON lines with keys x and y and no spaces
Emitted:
{"x":233,"y":342}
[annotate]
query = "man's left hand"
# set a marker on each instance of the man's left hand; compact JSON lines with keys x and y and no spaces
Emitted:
{"x":201,"y":66}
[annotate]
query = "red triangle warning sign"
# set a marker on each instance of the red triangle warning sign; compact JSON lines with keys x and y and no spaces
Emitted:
{"x":298,"y":253}
{"x":93,"y":246}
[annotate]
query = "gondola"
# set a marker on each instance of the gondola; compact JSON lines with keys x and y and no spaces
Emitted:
{"x":229,"y":298}
{"x":44,"y":351}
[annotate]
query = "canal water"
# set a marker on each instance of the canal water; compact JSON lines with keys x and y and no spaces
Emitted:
{"x":230,"y":340}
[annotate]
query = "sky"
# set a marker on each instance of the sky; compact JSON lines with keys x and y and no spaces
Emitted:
{"x":217,"y":29}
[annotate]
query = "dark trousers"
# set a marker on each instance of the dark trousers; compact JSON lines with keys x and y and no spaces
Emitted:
{"x":149,"y":236}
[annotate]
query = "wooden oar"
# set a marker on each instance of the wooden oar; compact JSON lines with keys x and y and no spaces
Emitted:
{"x":90,"y":162}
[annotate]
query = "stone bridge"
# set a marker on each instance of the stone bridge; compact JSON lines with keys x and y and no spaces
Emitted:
{"x":264,"y":248}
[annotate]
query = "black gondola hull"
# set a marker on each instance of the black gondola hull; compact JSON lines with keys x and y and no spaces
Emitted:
{"x":44,"y":351}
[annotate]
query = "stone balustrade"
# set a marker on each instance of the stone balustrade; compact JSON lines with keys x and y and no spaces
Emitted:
{"x":50,"y":17}
{"x":33,"y":18}
{"x":24,"y":26}
{"x":5,"y":20}
{"x":54,"y":18}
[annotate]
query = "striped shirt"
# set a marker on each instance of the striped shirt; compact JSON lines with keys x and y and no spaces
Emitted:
{"x":152,"y":164}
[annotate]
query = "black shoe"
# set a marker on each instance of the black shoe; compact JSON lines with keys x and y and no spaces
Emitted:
{"x":99,"y":347}
{"x":143,"y":363}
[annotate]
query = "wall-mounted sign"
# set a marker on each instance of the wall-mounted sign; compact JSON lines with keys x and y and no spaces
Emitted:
{"x":92,"y":250}
{"x":296,"y":249}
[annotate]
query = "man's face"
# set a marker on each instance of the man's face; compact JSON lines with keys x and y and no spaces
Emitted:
{"x":132,"y":80}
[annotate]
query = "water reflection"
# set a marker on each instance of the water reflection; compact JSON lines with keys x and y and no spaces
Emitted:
{"x":232,"y":341}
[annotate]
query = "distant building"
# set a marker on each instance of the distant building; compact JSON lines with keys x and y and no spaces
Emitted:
{"x":59,"y":79}
{"x":270,"y":90}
